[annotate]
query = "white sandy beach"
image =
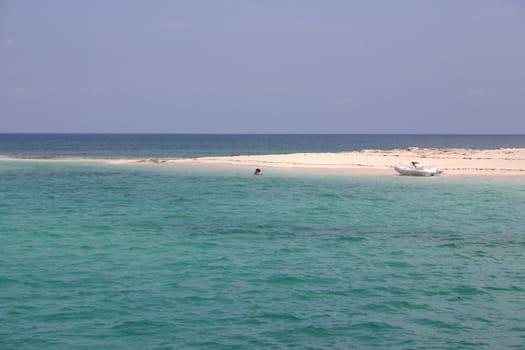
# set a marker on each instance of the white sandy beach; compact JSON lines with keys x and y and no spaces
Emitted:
{"x":453,"y":161}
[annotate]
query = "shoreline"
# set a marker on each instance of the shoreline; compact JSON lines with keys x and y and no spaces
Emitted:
{"x":453,"y":161}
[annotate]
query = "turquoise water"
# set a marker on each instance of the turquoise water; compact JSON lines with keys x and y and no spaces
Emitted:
{"x":98,"y":256}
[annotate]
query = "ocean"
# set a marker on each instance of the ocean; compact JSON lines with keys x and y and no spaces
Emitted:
{"x":96,"y":255}
{"x":195,"y":145}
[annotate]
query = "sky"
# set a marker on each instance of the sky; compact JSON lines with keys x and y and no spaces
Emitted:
{"x":273,"y":66}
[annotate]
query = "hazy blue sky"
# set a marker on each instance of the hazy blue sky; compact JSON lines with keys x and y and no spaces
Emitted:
{"x":443,"y":66}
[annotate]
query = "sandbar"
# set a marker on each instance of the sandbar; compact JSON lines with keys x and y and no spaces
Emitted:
{"x":452,"y":161}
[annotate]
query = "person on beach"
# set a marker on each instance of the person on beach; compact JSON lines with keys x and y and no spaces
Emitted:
{"x":258,"y":172}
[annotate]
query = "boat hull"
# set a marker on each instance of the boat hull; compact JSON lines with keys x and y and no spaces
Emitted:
{"x":409,"y":170}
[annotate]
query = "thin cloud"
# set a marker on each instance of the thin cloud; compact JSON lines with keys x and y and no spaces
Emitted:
{"x":9,"y":43}
{"x":100,"y":90}
{"x":171,"y":25}
{"x":478,"y":92}
{"x":28,"y":91}
{"x":310,"y":25}
{"x":17,"y":91}
{"x":345,"y":100}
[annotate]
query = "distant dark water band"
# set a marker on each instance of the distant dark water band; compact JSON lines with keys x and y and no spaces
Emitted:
{"x":194,"y":145}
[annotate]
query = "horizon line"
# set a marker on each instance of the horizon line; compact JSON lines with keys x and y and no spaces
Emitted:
{"x":255,"y":133}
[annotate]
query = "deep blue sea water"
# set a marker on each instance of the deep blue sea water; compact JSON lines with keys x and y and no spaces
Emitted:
{"x":163,"y":256}
{"x":187,"y":145}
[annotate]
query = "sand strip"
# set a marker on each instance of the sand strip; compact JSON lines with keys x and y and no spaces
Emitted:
{"x":453,"y":161}
{"x":458,"y":161}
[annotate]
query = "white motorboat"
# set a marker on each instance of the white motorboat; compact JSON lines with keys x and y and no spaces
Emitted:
{"x":413,"y":169}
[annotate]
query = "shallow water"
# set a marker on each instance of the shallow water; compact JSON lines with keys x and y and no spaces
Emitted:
{"x":160,"y":256}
